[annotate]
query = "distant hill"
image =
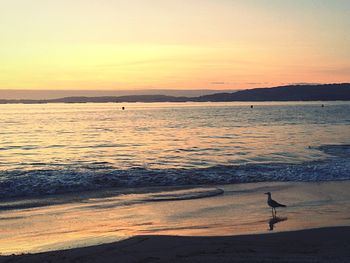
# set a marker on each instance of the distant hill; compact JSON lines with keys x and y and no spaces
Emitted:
{"x":104,"y":99}
{"x":56,"y":94}
{"x":132,"y":98}
{"x":284,"y":93}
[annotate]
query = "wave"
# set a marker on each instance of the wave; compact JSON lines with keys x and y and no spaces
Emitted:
{"x":185,"y":194}
{"x":117,"y":198}
{"x":97,"y":176}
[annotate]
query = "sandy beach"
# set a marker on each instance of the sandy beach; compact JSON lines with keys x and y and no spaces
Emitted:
{"x":201,"y":224}
{"x":316,"y":245}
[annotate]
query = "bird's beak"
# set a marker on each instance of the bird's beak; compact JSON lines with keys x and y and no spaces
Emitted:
{"x":266,"y":193}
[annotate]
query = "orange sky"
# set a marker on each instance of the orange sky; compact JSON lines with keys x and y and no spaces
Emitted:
{"x":137,"y":44}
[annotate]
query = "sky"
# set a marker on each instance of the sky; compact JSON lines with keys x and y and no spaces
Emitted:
{"x":172,"y":44}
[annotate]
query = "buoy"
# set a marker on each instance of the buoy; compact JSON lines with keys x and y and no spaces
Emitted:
{"x":123,"y":108}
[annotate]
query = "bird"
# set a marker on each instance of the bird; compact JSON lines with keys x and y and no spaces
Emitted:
{"x":273,"y":204}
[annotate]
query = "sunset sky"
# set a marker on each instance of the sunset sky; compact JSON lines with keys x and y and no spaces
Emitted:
{"x":172,"y":44}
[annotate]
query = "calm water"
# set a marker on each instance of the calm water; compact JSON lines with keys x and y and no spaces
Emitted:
{"x":54,"y":148}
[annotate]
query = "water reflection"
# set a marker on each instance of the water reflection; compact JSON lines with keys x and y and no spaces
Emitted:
{"x":274,"y":220}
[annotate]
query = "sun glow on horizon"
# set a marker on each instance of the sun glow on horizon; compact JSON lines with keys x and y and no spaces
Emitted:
{"x":173,"y":44}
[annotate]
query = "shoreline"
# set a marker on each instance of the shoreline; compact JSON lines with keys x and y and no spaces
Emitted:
{"x":255,"y":102}
{"x":37,"y":201}
{"x":235,"y":210}
{"x":330,"y":244}
{"x":303,"y":92}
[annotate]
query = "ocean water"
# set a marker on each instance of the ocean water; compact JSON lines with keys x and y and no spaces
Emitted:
{"x":62,"y":148}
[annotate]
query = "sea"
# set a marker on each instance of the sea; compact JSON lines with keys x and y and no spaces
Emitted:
{"x":76,"y":175}
{"x":48,"y":149}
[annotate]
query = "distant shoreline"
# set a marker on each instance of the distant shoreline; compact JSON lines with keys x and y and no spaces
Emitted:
{"x":324,"y":92}
{"x":150,"y":102}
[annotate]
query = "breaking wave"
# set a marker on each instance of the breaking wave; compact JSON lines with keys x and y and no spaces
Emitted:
{"x":17,"y":183}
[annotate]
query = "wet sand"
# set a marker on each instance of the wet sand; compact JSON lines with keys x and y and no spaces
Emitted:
{"x":216,"y":222}
{"x":316,"y":245}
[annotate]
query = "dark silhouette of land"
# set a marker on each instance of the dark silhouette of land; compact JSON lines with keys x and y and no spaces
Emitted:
{"x":321,"y":92}
{"x":287,"y":93}
{"x":43,"y":94}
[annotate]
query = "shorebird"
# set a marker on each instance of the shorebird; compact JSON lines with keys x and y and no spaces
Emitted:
{"x":273,"y":204}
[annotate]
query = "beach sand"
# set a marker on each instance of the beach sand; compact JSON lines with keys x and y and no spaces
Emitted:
{"x":145,"y":225}
{"x":316,"y":245}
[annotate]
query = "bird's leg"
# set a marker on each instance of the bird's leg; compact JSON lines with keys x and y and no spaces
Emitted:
{"x":272,"y":212}
{"x":275,"y":212}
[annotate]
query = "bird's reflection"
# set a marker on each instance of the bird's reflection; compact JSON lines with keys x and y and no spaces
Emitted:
{"x":274,"y":220}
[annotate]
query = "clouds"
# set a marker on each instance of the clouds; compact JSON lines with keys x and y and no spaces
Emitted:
{"x":219,"y":83}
